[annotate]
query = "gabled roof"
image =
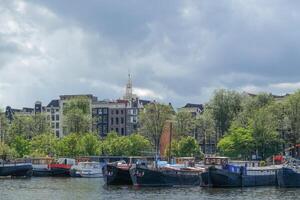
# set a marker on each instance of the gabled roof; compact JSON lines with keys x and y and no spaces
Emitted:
{"x":54,"y":103}
{"x":144,"y":102}
{"x":191,"y":105}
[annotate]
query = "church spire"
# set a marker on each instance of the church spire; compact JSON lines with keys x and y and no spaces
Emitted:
{"x":128,"y":93}
{"x":129,"y":86}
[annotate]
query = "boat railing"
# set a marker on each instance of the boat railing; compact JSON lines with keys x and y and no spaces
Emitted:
{"x":14,"y":162}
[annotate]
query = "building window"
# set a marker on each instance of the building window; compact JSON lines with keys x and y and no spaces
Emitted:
{"x":53,"y":125}
{"x":111,"y":121}
{"x":104,"y":129}
{"x":122,"y":131}
{"x":117,"y":130}
{"x":57,"y":117}
{"x":117,"y":112}
{"x":104,"y":110}
{"x":57,"y":133}
{"x":48,"y":117}
{"x":104,"y":119}
{"x":122,"y":120}
{"x":122,"y":112}
{"x":57,"y":110}
{"x":117,"y":120}
{"x":57,"y":125}
{"x":134,"y":111}
{"x":112,"y":112}
{"x":53,"y":117}
{"x":100,"y":111}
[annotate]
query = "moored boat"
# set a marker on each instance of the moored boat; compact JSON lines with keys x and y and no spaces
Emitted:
{"x":87,"y":170}
{"x":62,"y":167}
{"x":240,"y":176}
{"x":289,"y":174}
{"x":167,"y":176}
{"x":15,"y":169}
{"x":117,"y":173}
{"x":208,"y":162}
{"x":41,"y":166}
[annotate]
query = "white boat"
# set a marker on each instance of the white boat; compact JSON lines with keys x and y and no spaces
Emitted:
{"x":87,"y":170}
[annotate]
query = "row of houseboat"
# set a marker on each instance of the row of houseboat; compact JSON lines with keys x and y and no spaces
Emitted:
{"x":90,"y":167}
{"x":214,"y":172}
{"x":150,"y":172}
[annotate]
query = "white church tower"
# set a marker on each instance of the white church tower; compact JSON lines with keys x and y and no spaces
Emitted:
{"x":128,"y":93}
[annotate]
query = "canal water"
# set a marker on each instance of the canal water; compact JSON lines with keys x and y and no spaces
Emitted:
{"x":80,"y":188}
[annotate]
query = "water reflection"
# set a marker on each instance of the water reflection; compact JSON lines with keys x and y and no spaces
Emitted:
{"x":80,"y":188}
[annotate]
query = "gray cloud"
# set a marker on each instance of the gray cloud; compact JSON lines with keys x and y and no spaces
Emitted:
{"x":177,"y":51}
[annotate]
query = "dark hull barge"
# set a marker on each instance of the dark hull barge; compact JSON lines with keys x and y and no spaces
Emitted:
{"x":16,"y":170}
{"x":116,"y":175}
{"x":242,"y":178}
{"x":144,"y":177}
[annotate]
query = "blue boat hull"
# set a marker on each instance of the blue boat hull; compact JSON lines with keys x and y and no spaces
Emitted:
{"x":288,"y":178}
{"x":259,"y":180}
{"x":224,"y":178}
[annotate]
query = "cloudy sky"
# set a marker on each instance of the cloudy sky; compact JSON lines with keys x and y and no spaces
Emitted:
{"x":176,"y":51}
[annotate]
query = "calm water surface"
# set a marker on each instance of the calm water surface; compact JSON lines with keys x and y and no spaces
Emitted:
{"x":80,"y":188}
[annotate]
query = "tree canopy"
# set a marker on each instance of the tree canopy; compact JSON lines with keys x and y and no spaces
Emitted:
{"x":185,"y":147}
{"x":237,"y":143}
{"x":152,"y":121}
{"x":77,"y":115}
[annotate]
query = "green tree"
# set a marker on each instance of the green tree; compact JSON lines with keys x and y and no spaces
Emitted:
{"x":77,"y":115}
{"x":152,"y":121}
{"x":28,"y":126}
{"x":225,"y":106}
{"x":44,"y":144}
{"x":292,"y":110}
{"x":205,"y":128}
{"x":117,"y":145}
{"x":90,"y":144}
{"x":250,"y":105}
{"x":266,"y":137}
{"x":185,"y":147}
{"x":133,"y":145}
{"x":4,"y":126}
{"x":139,"y":145}
{"x":20,"y":126}
{"x":21,"y":145}
{"x":188,"y":146}
{"x":39,"y":124}
{"x":184,"y":123}
{"x":174,"y":149}
{"x":237,"y":143}
{"x":7,"y":152}
{"x":69,"y":145}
